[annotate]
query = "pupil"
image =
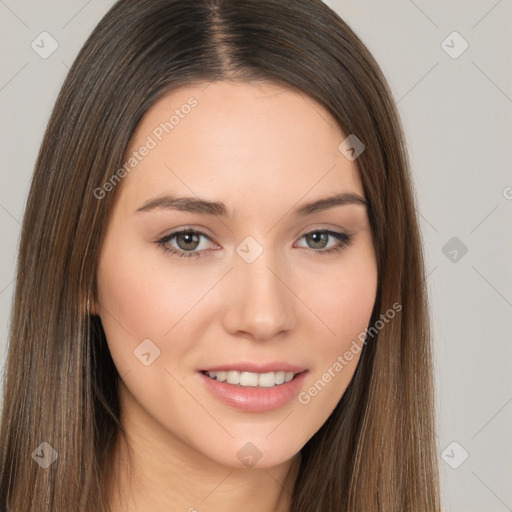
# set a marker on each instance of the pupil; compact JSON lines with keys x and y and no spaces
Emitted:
{"x":190,"y":238}
{"x":317,"y":237}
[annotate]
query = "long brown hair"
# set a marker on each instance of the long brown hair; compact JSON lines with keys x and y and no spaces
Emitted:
{"x":377,"y":450}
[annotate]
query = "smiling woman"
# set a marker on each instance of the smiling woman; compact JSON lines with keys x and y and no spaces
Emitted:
{"x":220,"y":299}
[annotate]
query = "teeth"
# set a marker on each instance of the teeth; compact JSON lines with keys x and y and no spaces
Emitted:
{"x":233,"y":377}
{"x":265,"y":380}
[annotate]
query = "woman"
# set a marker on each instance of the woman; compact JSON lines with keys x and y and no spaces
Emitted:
{"x":220,"y":299}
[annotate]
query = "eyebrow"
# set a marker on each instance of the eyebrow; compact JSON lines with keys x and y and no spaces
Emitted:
{"x":217,"y":208}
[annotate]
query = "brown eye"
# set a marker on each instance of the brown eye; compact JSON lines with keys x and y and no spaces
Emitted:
{"x":318,"y":238}
{"x":187,"y":240}
{"x":186,"y":243}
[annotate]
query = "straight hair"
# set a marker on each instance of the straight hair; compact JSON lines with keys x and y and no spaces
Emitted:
{"x":377,"y":450}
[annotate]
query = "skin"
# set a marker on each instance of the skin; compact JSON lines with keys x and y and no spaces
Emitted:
{"x":263,"y":150}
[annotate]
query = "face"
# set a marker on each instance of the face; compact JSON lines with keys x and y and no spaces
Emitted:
{"x":254,"y":287}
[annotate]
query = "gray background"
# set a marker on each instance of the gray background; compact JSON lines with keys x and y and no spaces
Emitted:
{"x":457,"y":118}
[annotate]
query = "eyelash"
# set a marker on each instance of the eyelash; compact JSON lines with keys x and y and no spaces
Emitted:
{"x":344,"y":240}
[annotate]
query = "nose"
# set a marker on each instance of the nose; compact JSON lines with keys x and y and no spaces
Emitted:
{"x":261,"y":301}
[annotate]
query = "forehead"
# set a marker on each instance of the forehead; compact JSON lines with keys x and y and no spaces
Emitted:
{"x":247,"y":139}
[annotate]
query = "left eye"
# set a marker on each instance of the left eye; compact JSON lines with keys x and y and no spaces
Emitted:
{"x":188,"y":241}
{"x":318,"y":236}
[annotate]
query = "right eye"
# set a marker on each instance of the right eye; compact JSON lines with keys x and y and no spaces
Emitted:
{"x":183,"y":238}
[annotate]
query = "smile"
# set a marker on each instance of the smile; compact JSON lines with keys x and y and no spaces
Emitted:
{"x":252,"y":391}
{"x":251,"y":379}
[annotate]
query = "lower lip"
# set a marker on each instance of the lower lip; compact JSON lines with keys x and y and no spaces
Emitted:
{"x":255,"y":399}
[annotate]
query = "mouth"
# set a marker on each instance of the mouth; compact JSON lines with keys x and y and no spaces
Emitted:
{"x":254,"y":388}
{"x":252,"y":379}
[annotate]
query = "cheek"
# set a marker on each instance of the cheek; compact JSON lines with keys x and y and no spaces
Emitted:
{"x":137,"y":301}
{"x":345,"y":302}
{"x":138,"y":286}
{"x":345,"y":305}
{"x":128,"y":296}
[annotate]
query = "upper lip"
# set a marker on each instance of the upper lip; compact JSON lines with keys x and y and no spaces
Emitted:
{"x":246,"y":366}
